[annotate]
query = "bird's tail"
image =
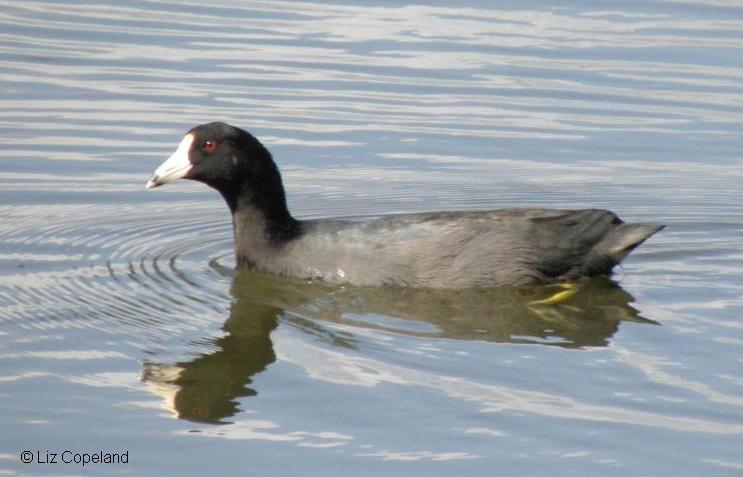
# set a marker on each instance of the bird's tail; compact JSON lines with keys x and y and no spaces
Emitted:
{"x":624,"y":238}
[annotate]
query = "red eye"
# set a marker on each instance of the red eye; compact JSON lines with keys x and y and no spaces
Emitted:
{"x":209,"y":146}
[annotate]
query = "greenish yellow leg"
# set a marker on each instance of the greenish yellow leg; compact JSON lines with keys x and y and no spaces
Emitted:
{"x":568,"y":290}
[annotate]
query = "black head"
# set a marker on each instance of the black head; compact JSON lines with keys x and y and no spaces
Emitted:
{"x":230,"y":160}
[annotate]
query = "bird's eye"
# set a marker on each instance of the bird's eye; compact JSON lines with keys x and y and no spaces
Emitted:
{"x":209,"y":146}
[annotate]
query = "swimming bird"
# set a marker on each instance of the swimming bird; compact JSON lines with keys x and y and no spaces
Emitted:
{"x":437,"y":250}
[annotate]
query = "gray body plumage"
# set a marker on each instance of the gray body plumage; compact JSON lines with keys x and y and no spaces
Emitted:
{"x":446,"y":249}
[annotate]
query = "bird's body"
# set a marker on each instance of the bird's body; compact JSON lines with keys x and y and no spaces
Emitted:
{"x":445,"y":249}
{"x":438,"y":250}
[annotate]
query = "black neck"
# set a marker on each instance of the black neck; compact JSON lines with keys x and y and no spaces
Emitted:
{"x":267,"y":210}
{"x":257,"y":200}
{"x":255,"y":195}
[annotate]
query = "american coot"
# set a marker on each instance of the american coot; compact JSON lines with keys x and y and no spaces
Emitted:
{"x":440,"y":250}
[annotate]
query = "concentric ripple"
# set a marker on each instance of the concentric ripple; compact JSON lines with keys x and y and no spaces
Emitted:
{"x":139,"y":271}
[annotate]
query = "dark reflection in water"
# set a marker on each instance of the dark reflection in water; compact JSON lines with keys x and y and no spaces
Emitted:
{"x":206,"y":389}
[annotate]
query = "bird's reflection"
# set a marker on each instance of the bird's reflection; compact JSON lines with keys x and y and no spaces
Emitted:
{"x":206,"y":388}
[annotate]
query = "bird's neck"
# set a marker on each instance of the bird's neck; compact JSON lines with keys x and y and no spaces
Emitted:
{"x":262,"y":224}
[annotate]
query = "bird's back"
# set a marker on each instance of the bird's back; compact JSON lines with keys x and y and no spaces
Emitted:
{"x":463,"y":249}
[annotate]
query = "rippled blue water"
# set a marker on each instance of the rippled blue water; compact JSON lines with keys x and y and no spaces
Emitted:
{"x":124,"y":329}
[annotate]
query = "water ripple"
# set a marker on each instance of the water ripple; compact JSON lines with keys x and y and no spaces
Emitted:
{"x":129,"y":274}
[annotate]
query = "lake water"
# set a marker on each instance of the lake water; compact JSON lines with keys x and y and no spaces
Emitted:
{"x":124,"y":329}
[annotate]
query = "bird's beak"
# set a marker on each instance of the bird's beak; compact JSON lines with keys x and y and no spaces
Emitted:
{"x":175,"y":167}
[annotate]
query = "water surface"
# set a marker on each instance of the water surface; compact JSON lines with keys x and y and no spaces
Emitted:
{"x":123,"y":326}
